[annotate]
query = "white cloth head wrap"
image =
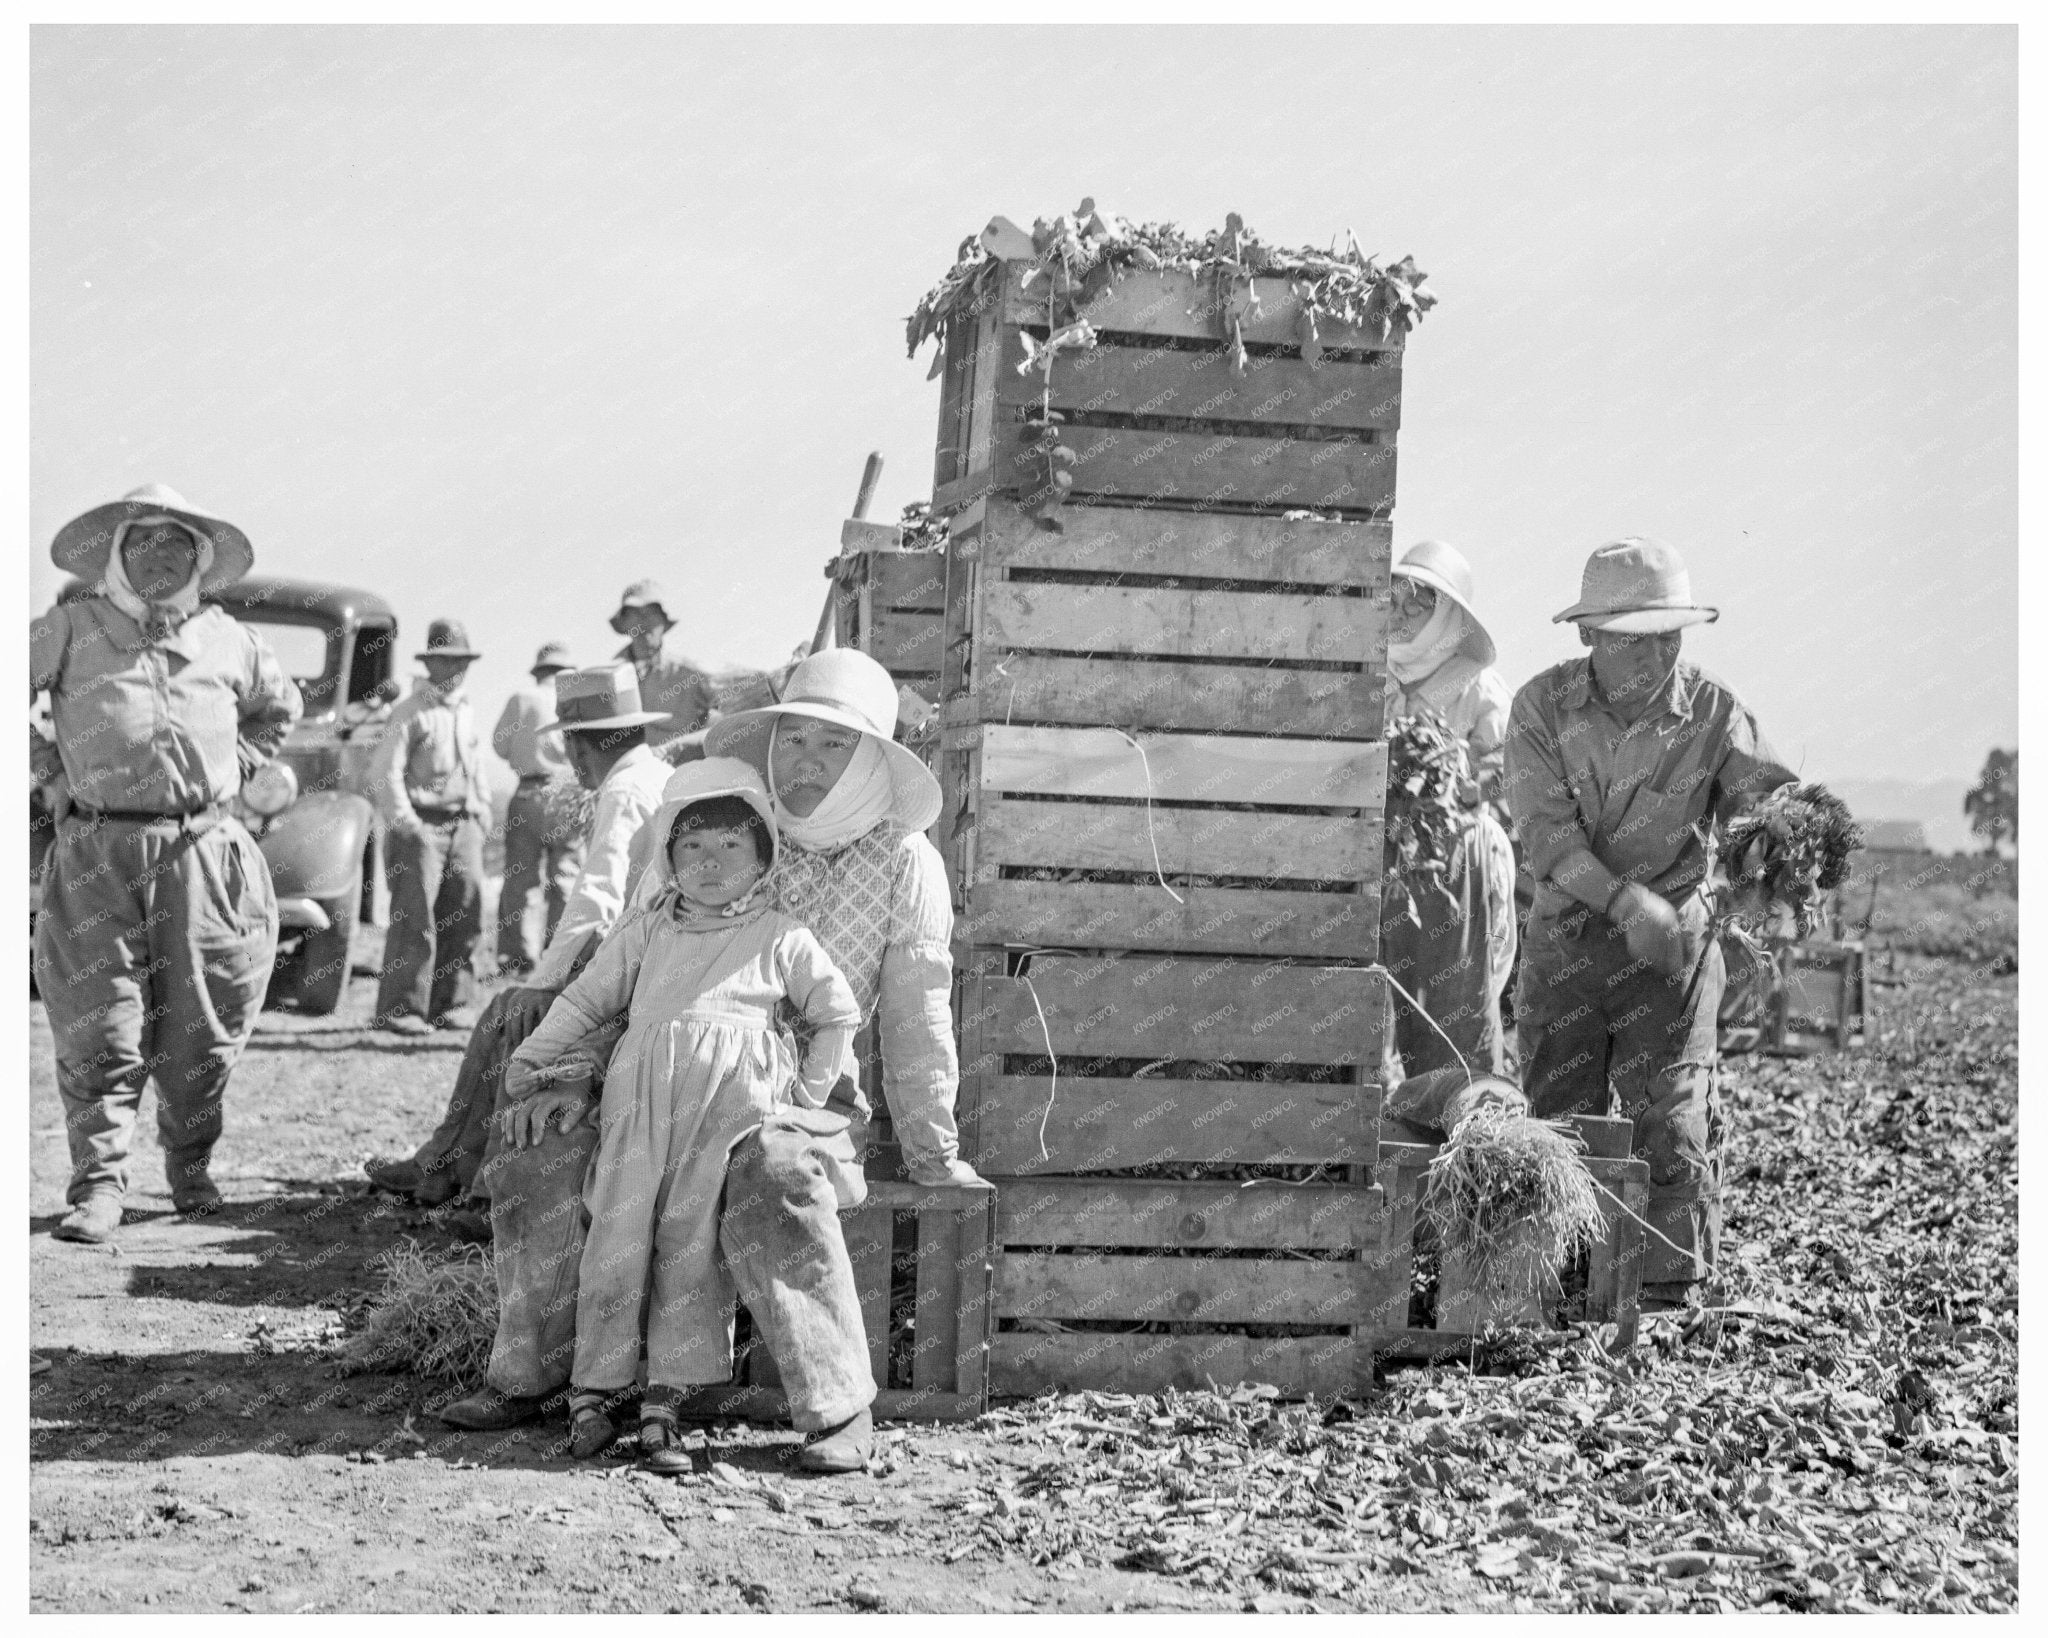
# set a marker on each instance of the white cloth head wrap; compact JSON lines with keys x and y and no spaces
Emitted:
{"x":160,"y":618}
{"x":863,"y":797}
{"x":1440,"y":637}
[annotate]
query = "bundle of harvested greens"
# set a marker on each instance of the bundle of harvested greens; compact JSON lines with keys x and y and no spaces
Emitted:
{"x":1784,"y":853}
{"x":1509,"y":1198}
{"x":433,"y":1316}
{"x":1083,"y":252}
{"x":1425,"y":815}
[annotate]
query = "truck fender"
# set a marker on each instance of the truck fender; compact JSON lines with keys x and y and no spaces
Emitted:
{"x":315,"y":847}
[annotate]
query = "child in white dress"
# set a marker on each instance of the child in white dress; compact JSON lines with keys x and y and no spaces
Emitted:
{"x":708,"y":976}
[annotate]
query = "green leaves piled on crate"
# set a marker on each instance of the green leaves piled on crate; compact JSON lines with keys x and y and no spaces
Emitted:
{"x":1425,"y":814}
{"x":1074,"y":257}
{"x":922,"y":531}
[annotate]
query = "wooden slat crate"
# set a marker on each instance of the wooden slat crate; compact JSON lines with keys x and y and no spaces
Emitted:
{"x":1089,"y":1064}
{"x":1158,"y":411}
{"x":1615,"y":1266}
{"x":1179,"y":621}
{"x":947,"y":1378}
{"x":891,"y":605}
{"x":1091,"y":1269}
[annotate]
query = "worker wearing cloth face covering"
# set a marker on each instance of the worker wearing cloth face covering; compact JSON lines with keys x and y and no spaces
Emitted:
{"x":857,"y":870}
{"x":158,"y":922}
{"x":1454,"y":954}
{"x":1618,"y":766}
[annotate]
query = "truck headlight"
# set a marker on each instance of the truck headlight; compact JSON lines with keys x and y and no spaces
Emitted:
{"x":271,"y":789}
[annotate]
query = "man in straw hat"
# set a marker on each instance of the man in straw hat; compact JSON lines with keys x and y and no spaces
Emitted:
{"x":851,"y":807}
{"x":1618,"y":764}
{"x":537,"y":849}
{"x":1450,"y":939}
{"x":158,"y":922}
{"x":669,"y":684}
{"x":604,"y":733}
{"x":430,"y":788}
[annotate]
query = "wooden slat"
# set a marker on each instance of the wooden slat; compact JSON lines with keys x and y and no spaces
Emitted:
{"x":1177,"y":1007}
{"x":1130,"y":540}
{"x":935,"y":1355}
{"x":904,"y":641}
{"x":1025,"y":1363}
{"x":869,"y":1234}
{"x":908,"y":581}
{"x":976,"y":1321}
{"x":1176,"y":695}
{"x":1205,"y":920}
{"x":1191,"y":468}
{"x":1094,"y":1123}
{"x":1183,"y":767}
{"x":1292,"y":846}
{"x":1141,"y":1212}
{"x":1170,"y":303}
{"x":1206,"y":385}
{"x":1153,"y":620}
{"x":1196,"y":1290}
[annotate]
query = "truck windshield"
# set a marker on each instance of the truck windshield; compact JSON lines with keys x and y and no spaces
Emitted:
{"x":307,"y":655}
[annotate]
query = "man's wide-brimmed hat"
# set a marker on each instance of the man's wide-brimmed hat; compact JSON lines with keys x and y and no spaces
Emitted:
{"x":641,"y":594}
{"x":706,"y":778}
{"x":1637,"y":586}
{"x":599,"y":696}
{"x":553,"y":657}
{"x":448,"y":640}
{"x":81,"y":546}
{"x":1444,"y":569}
{"x":850,"y":688}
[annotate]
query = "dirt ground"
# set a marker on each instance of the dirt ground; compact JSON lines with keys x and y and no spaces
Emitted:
{"x":194,"y":1423}
{"x":192,"y":1417}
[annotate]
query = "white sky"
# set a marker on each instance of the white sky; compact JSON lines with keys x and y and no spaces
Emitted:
{"x":493,"y":321}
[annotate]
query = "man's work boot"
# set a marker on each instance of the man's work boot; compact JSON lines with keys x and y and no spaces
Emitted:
{"x":1669,"y":1296}
{"x":92,"y":1221}
{"x":404,"y":1023}
{"x":471,"y":1226}
{"x":845,"y":1449}
{"x":395,"y":1176}
{"x":487,"y":1410}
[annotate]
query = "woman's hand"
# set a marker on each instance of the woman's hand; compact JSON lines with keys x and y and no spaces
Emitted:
{"x":525,"y":1124}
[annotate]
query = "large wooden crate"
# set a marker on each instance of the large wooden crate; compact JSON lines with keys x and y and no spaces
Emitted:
{"x":952,"y":1231}
{"x":1077,"y":1066}
{"x":1159,"y":410}
{"x":891,"y":605}
{"x":1163,"y":732}
{"x":1165,"y":786}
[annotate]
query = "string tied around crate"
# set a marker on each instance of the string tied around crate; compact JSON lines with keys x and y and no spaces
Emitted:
{"x":1052,"y":1090}
{"x":1152,"y":835}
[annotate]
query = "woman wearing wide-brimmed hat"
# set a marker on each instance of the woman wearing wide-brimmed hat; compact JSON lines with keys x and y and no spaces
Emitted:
{"x":851,"y":807}
{"x":1450,"y":939}
{"x":158,"y":924}
{"x":1619,"y":766}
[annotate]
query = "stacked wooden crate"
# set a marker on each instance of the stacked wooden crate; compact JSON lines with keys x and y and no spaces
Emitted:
{"x":889,"y":603}
{"x":1165,"y":778}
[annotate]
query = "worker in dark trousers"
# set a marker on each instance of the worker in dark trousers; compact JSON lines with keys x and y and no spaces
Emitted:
{"x":540,"y":850}
{"x":158,"y":923}
{"x":431,"y":789}
{"x":1618,"y":766}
